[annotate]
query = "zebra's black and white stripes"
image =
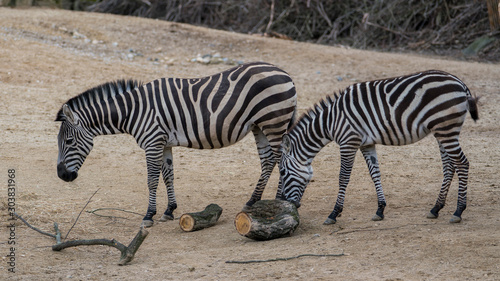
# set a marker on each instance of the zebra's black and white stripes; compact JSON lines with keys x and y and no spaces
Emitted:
{"x":210,"y":112}
{"x":395,"y":111}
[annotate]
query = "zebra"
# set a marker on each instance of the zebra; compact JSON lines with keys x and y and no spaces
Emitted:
{"x":395,"y":111}
{"x":204,"y":113}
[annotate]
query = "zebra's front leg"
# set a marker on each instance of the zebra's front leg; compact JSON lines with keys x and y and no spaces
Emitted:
{"x":153,"y":162}
{"x":167,"y":170}
{"x":347,"y":155}
{"x":370,"y":155}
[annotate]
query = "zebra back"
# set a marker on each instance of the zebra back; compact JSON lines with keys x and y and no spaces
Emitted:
{"x":219,"y":110}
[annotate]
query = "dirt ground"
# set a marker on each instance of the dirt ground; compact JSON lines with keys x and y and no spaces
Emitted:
{"x":48,"y":56}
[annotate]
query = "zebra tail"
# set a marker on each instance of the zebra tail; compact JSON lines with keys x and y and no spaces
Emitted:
{"x":292,"y":120}
{"x":472,"y":101}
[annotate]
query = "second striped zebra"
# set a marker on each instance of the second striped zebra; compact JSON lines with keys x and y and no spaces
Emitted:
{"x":396,"y":111}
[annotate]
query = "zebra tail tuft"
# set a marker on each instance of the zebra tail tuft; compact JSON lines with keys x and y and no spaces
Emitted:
{"x":472,"y":101}
{"x":292,"y":120}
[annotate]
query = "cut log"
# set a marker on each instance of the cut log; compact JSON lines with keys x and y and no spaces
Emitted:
{"x":268,"y":219}
{"x":196,"y":221}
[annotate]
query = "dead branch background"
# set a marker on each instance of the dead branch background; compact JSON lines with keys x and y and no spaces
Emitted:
{"x":442,"y":27}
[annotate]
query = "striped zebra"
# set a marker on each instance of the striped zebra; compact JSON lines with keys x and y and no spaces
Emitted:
{"x":205,"y":113}
{"x":396,"y":111}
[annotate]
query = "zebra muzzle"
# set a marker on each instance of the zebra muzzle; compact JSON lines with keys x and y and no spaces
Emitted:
{"x":296,"y":203}
{"x":64,"y":174}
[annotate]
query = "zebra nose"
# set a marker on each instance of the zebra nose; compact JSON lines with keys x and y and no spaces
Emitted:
{"x":296,"y":203}
{"x":64,"y":174}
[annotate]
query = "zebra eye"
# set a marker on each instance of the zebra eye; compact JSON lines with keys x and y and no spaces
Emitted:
{"x":70,"y":141}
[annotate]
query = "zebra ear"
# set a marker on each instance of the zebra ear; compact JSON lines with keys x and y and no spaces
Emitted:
{"x":70,"y":116}
{"x":286,"y":144}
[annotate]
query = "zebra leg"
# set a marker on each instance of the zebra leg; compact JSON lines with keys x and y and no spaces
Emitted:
{"x":347,"y":155}
{"x":267,"y":163}
{"x":279,"y":194}
{"x":370,"y":155}
{"x":153,"y":162}
{"x":458,"y":159}
{"x":167,"y":169}
{"x":448,"y":172}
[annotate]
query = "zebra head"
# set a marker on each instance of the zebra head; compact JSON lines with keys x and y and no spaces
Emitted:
{"x":295,"y":176}
{"x":74,"y":142}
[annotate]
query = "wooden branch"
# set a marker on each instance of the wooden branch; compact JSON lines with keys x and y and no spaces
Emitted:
{"x":58,"y":233}
{"x":268,"y":219}
{"x":34,"y":228}
{"x":494,"y":14}
{"x":127,"y":252}
{"x":271,"y":17}
{"x":288,"y":258}
{"x":196,"y":221}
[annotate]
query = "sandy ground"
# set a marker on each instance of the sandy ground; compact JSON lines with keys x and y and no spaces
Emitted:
{"x":48,"y":56}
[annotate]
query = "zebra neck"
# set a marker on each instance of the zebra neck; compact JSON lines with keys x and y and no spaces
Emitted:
{"x":312,"y":133}
{"x":105,"y":125}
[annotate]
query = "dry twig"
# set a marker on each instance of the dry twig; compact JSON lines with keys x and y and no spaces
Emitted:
{"x":88,"y":201}
{"x":94,"y":212}
{"x":288,"y":258}
{"x":377,"y":229}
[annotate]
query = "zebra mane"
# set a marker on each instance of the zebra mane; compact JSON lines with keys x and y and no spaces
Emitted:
{"x":315,"y":110}
{"x":99,"y":93}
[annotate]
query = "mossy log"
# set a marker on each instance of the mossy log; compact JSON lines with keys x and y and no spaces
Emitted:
{"x":268,"y":219}
{"x":196,"y":221}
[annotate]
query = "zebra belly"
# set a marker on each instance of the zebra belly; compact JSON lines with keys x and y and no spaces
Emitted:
{"x":393,"y":136}
{"x":206,"y":140}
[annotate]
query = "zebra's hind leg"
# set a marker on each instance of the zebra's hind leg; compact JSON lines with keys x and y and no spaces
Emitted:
{"x":448,"y":172}
{"x":370,"y":155}
{"x":459,"y":161}
{"x":167,"y":170}
{"x":267,"y":163}
{"x":347,"y":155}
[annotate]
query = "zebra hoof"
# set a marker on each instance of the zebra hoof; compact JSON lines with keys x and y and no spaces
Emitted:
{"x":329,"y":221}
{"x":431,"y":216}
{"x":165,"y":218}
{"x":455,"y":219}
{"x":147,"y":223}
{"x":377,"y":218}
